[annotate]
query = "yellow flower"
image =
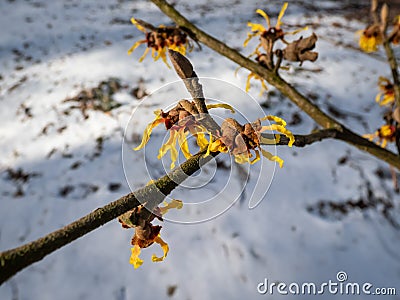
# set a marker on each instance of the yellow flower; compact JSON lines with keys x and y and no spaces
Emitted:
{"x":280,"y":126}
{"x":386,"y":133}
{"x":160,"y":39}
{"x":370,"y":38}
{"x":136,"y":261}
{"x":146,"y":234}
{"x":259,"y":29}
{"x":386,"y":94}
{"x":221,"y":105}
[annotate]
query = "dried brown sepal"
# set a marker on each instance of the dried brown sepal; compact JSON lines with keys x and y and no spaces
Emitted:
{"x":140,"y":219}
{"x":300,"y":50}
{"x":181,"y":112}
{"x":240,"y":139}
{"x":230,"y":129}
{"x":374,"y":30}
{"x":145,"y":235}
{"x":270,"y":36}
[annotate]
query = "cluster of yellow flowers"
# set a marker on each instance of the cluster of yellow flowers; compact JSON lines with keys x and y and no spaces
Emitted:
{"x":234,"y":138}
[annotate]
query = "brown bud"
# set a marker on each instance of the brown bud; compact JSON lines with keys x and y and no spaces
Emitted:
{"x":181,"y":64}
{"x":374,"y":5}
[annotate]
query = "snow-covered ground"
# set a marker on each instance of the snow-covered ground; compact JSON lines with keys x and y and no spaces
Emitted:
{"x":56,"y":165}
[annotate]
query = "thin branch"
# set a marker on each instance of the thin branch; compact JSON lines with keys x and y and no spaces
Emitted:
{"x":285,"y":88}
{"x":391,"y":58}
{"x":303,"y":140}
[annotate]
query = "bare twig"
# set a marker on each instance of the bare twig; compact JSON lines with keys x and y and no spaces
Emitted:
{"x":185,"y":71}
{"x":285,"y":88}
{"x":183,"y":67}
{"x":391,"y":58}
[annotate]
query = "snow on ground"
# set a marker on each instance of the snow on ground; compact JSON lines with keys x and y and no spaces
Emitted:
{"x":57,"y":166}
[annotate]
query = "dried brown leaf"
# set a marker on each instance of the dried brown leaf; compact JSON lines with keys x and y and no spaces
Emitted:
{"x":300,"y":50}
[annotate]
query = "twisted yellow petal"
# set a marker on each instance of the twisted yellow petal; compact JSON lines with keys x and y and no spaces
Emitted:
{"x":148,"y":130}
{"x":178,"y":204}
{"x":242,"y":158}
{"x":135,"y":45}
{"x":183,"y":143}
{"x":218,"y":146}
{"x":135,"y":260}
{"x":281,"y":129}
{"x":297,"y":30}
{"x":271,"y":157}
{"x":163,"y":53}
{"x":262,"y":13}
{"x":256,"y":28}
{"x":249,"y":37}
{"x":267,"y":141}
{"x":281,"y":13}
{"x":144,"y":54}
{"x":138,"y":26}
{"x":170,"y":145}
{"x":221,"y":105}
{"x":257,"y":158}
{"x":251,"y":75}
{"x":277,"y":120}
{"x":164,"y":247}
